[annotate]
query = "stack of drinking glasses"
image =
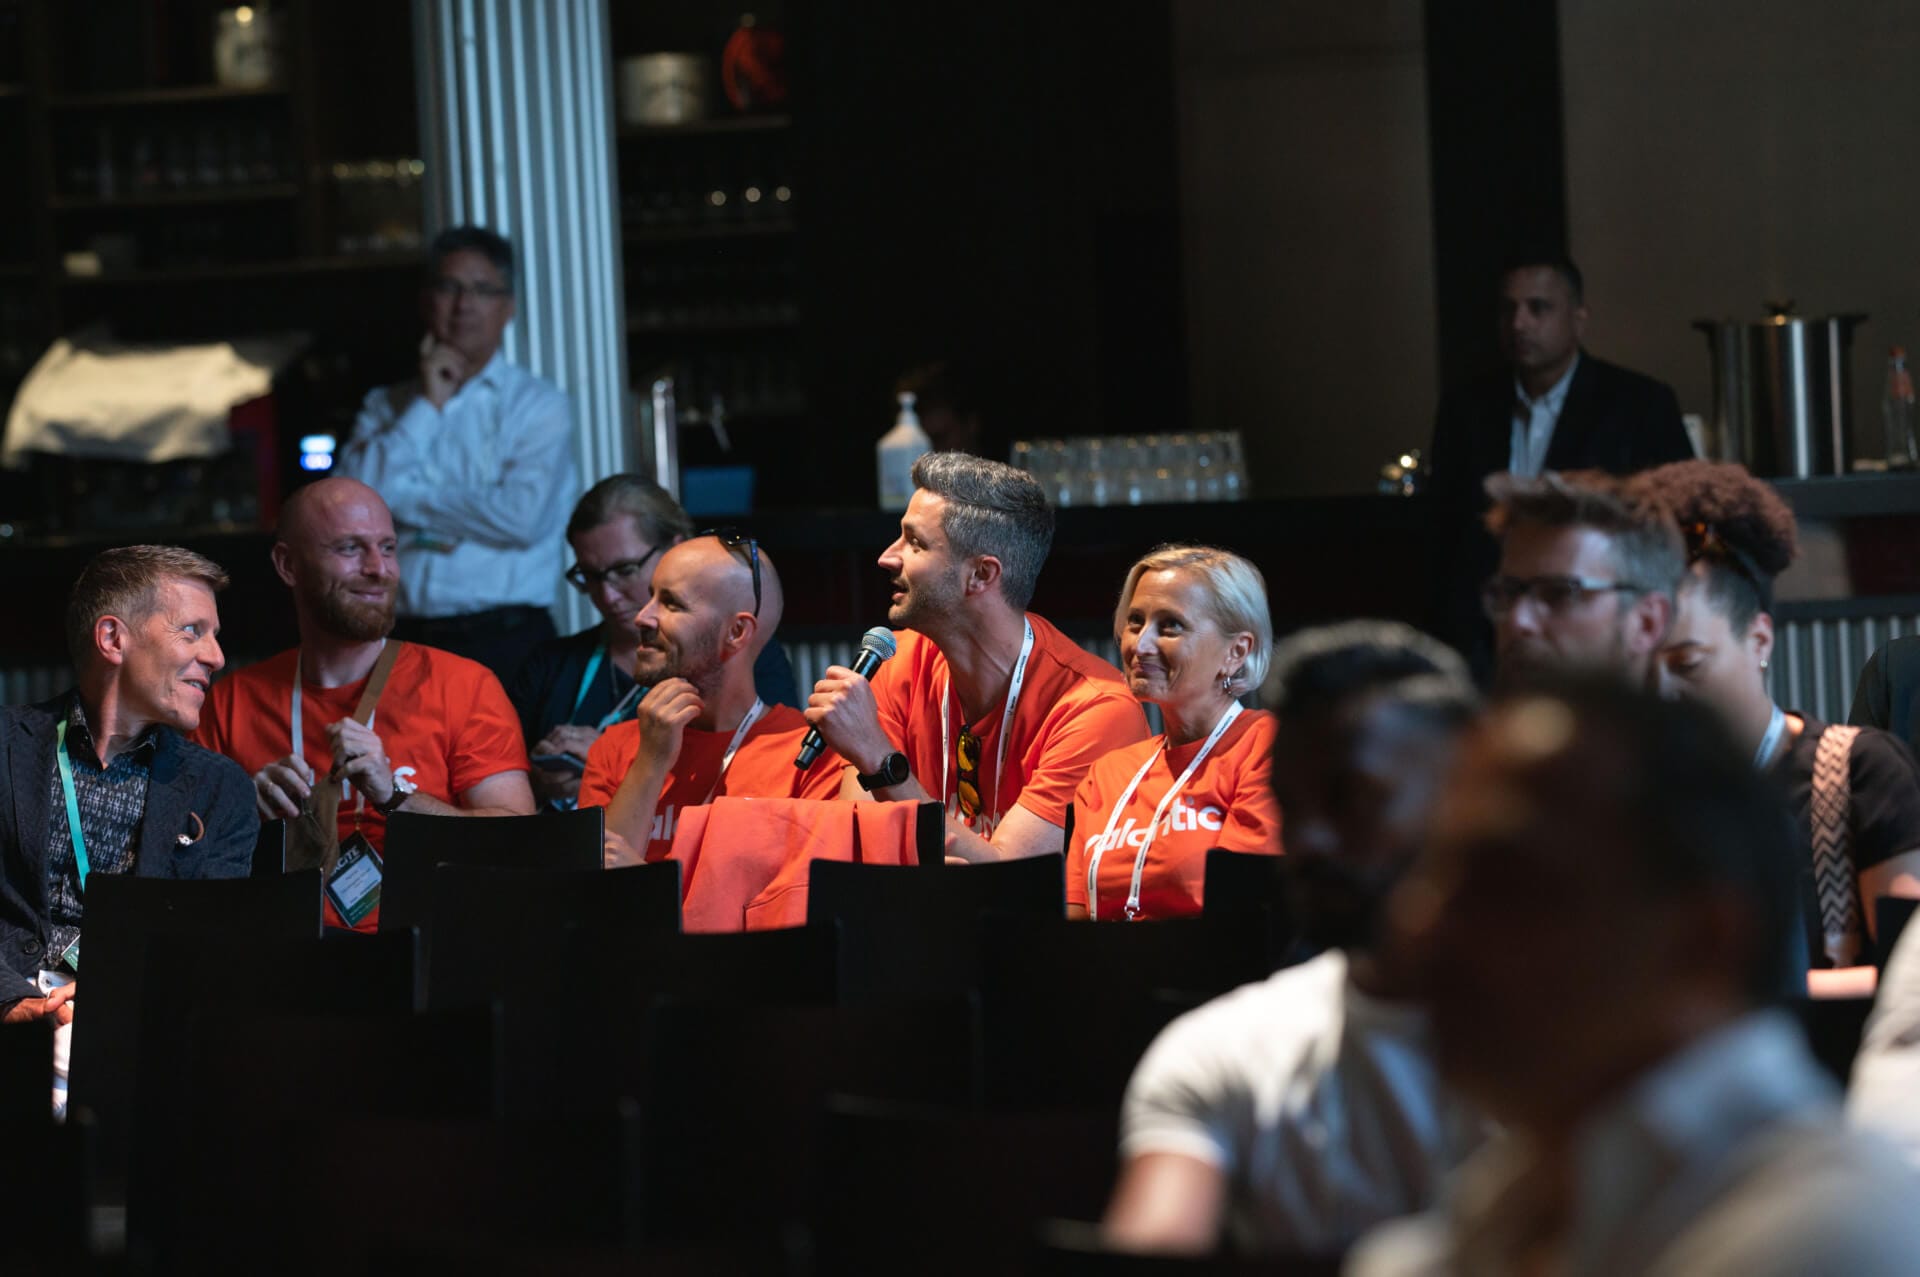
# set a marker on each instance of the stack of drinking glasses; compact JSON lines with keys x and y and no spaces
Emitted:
{"x":1137,"y":469}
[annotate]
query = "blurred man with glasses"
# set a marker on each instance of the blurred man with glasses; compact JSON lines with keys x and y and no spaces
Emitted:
{"x":474,"y":457}
{"x":1586,"y":579}
{"x":570,"y":690}
{"x":700,"y":731}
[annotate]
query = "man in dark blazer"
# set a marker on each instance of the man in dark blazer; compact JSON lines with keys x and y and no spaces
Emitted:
{"x":1552,"y":406}
{"x":142,"y":627}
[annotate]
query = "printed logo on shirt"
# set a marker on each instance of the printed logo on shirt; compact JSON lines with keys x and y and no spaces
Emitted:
{"x":1182,"y":818}
{"x":664,"y":822}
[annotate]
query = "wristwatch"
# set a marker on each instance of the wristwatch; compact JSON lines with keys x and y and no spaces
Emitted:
{"x":893,"y":771}
{"x":403,"y":789}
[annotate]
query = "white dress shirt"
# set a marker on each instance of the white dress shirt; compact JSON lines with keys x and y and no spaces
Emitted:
{"x":1728,"y":1159}
{"x":1317,"y":1102}
{"x":480,"y":489}
{"x":1533,"y":423}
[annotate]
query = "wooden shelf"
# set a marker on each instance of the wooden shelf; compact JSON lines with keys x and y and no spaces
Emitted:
{"x":177,"y":199}
{"x":708,"y":128}
{"x":162,"y":97}
{"x":679,"y":234}
{"x":247,"y":270}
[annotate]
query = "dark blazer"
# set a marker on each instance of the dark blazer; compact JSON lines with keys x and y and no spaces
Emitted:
{"x":1613,"y":420}
{"x":186,"y":781}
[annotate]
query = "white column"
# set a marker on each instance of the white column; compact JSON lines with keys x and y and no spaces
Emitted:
{"x":516,"y":128}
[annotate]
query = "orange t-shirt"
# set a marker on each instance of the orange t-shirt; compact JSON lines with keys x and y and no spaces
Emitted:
{"x":1074,"y":708}
{"x":1226,"y":803}
{"x":762,"y":768}
{"x":445,"y":721}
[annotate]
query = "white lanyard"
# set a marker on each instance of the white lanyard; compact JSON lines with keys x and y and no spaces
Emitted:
{"x":299,"y":743}
{"x":1146,"y":841}
{"x":1776,"y":728}
{"x":733,"y":746}
{"x":1006,"y":729}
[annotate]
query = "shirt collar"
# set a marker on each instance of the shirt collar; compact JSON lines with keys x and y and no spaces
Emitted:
{"x":80,"y":735}
{"x":1555,"y":395}
{"x":1677,"y":1122}
{"x":495,"y":370}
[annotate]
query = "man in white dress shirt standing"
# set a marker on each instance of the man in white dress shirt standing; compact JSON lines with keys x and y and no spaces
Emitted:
{"x":475,"y":459}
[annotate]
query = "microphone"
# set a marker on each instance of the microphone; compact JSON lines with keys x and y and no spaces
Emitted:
{"x":876,"y":645}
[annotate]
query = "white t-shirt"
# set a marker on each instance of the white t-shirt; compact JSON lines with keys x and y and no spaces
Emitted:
{"x":1319,"y":1103}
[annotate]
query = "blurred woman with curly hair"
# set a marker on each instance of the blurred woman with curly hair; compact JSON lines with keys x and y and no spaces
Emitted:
{"x":1854,"y":792}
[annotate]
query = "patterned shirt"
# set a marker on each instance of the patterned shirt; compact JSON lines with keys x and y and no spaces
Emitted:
{"x":112,"y":801}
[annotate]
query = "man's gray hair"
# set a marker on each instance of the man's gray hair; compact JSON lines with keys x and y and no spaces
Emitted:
{"x":1236,"y":595}
{"x":1645,"y":541}
{"x":993,"y":509}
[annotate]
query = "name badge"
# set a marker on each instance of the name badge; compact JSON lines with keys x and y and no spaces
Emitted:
{"x":70,"y":957}
{"x":354,"y":887}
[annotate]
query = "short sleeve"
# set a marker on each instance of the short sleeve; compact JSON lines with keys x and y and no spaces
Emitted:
{"x":607,"y":764}
{"x":488,"y":741}
{"x":1089,"y":813}
{"x":1886,"y":798}
{"x":1870,"y":694}
{"x":1179,"y":1096}
{"x":1078,"y":740}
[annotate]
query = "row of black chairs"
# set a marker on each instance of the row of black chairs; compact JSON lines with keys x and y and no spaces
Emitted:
{"x":537,"y":1054}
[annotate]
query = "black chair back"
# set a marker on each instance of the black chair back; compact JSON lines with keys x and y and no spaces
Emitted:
{"x":913,"y":932}
{"x":731,"y":1101}
{"x":26,"y":1073}
{"x":1073,"y":1248}
{"x":415,"y":844}
{"x":343,"y":974}
{"x":574,"y":1046}
{"x":872,"y":1205}
{"x":270,"y":849}
{"x":1243,"y":882}
{"x":124,"y":913}
{"x":1067,"y":1008}
{"x":483,"y":917}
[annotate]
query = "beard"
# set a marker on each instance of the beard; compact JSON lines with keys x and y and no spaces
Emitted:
{"x":351,"y":618}
{"x":698,"y":662}
{"x":926,"y":603}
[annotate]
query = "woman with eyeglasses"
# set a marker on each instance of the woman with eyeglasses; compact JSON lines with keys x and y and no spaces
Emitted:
{"x":571,"y":689}
{"x":1195,"y":636}
{"x":1854,"y":793}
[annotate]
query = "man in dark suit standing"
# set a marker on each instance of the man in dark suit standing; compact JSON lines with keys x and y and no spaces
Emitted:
{"x":99,"y":781}
{"x":1552,"y":407}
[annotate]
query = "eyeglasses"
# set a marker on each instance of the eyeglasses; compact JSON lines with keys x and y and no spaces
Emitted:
{"x":454,"y":289}
{"x":587,"y":580}
{"x":969,"y":774}
{"x":733,"y":539}
{"x":1502,"y":594}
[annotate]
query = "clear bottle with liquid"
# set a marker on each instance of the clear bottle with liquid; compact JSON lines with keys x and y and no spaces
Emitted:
{"x":1897,"y":410}
{"x":896,"y":452}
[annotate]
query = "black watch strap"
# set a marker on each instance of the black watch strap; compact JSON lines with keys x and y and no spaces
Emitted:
{"x":893,"y":771}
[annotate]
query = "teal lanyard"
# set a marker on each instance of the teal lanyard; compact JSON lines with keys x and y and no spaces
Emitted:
{"x":73,"y":805}
{"x":620,"y":707}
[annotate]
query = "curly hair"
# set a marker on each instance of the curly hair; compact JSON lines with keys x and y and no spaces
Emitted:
{"x":1735,"y":526}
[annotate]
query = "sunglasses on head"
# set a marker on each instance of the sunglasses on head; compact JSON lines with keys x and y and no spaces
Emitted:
{"x":734,"y":539}
{"x":969,"y":786}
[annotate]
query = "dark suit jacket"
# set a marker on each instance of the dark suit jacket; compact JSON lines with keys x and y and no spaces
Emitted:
{"x":186,"y":781}
{"x":1613,"y":420}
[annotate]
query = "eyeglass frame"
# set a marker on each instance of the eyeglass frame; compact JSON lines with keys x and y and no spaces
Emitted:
{"x":587,"y":580}
{"x":1496,"y":587}
{"x":733,"y":538}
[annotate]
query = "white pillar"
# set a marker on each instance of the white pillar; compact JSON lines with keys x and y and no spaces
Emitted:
{"x":516,"y":128}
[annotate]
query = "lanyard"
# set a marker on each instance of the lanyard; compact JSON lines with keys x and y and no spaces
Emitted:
{"x":1776,"y":727}
{"x":1146,"y":839}
{"x":73,"y":805}
{"x":1006,"y":729}
{"x":620,"y":707}
{"x":299,"y":742}
{"x":733,"y":746}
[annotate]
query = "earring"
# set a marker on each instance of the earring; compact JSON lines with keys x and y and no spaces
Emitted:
{"x":1226,"y":682}
{"x":1763,"y":665}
